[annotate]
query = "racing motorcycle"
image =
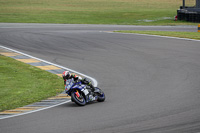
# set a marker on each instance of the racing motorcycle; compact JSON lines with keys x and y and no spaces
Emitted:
{"x":82,"y":94}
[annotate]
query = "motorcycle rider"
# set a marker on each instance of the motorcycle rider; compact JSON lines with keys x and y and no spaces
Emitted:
{"x":67,"y":75}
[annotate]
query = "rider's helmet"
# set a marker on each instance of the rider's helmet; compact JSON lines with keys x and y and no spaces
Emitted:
{"x":66,"y":75}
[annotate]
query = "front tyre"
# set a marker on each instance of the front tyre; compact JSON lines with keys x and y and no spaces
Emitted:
{"x":78,"y":98}
{"x":101,"y":96}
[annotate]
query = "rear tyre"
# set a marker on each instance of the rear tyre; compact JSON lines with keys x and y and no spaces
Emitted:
{"x":78,"y":100}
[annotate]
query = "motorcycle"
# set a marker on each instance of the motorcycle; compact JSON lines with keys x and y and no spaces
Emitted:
{"x":82,"y":94}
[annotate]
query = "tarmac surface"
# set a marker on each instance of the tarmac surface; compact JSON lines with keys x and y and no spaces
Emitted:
{"x":151,"y":83}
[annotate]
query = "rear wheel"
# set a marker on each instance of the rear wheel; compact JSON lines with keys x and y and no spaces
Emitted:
{"x":78,"y":98}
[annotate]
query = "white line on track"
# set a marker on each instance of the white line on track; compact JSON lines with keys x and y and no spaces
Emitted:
{"x":93,"y":80}
{"x":154,"y":36}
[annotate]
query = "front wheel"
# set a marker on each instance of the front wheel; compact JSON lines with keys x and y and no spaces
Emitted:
{"x":101,"y":95}
{"x":78,"y":98}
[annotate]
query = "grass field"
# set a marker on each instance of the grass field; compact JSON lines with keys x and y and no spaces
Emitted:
{"x":128,"y":12}
{"x":190,"y":35}
{"x":22,"y":84}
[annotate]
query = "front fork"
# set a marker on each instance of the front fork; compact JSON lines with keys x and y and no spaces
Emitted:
{"x":85,"y":92}
{"x":77,"y":93}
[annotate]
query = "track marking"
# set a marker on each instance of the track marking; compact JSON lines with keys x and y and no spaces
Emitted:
{"x":28,"y":60}
{"x":49,"y":67}
{"x":35,"y":108}
{"x":153,"y":36}
{"x":9,"y":54}
{"x":25,"y":109}
{"x":10,"y":112}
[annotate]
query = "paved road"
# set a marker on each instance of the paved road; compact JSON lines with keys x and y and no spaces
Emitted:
{"x":151,"y":83}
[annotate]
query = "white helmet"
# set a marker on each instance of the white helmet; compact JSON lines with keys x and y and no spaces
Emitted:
{"x":66,"y":75}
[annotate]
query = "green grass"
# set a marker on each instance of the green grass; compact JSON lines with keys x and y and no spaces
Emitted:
{"x":128,"y":12}
{"x":190,"y":35}
{"x":22,"y":84}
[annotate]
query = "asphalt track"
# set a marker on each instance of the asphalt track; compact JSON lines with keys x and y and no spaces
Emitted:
{"x":152,"y":84}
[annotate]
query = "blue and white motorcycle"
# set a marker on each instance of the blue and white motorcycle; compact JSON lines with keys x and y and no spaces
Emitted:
{"x":82,"y":94}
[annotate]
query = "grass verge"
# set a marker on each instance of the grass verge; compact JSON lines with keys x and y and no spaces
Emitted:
{"x":22,"y":84}
{"x":124,"y":12}
{"x":190,"y":35}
